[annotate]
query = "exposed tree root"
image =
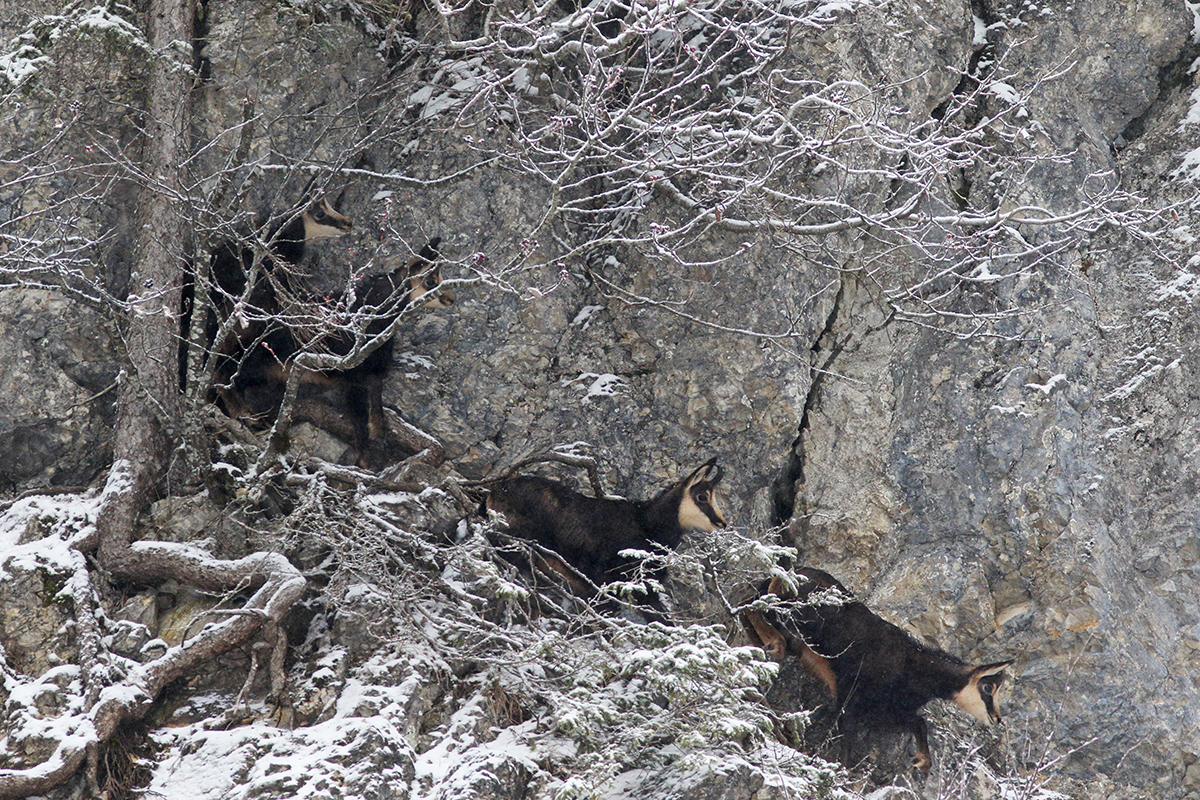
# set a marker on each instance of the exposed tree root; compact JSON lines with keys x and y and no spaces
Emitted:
{"x":276,"y":584}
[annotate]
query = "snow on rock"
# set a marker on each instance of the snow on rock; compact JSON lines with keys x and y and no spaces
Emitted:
{"x":584,"y":318}
{"x":460,"y":767}
{"x":29,"y":53}
{"x":775,"y":772}
{"x":600,"y":385}
{"x":37,"y":567}
{"x":1048,"y":386}
{"x":344,"y":757}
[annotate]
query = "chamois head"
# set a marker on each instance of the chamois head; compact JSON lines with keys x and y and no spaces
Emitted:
{"x":978,"y":697}
{"x":698,"y":507}
{"x":322,"y":221}
{"x":424,"y":277}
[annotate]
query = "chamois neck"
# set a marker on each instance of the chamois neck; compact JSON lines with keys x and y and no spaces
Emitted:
{"x":946,"y":675}
{"x":661,"y":516}
{"x":289,"y":241}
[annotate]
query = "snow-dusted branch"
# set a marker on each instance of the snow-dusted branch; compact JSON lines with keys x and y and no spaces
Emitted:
{"x":656,"y":126}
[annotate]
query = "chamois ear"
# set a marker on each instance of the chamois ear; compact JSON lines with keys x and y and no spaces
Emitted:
{"x":430,"y":252}
{"x":708,"y":471}
{"x":311,"y":193}
{"x":992,"y":669}
{"x":307,"y":194}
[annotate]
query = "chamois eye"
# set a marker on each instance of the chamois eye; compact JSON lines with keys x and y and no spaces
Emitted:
{"x":986,"y":688}
{"x":701,"y":497}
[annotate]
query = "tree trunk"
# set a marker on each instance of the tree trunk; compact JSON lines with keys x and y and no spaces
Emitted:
{"x":148,"y":407}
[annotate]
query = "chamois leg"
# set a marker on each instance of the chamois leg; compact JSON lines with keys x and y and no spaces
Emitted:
{"x":545,"y":569}
{"x":253,"y":391}
{"x":850,"y":726}
{"x":364,"y":405}
{"x":222,"y":364}
{"x":234,"y":406}
{"x":653,"y":610}
{"x":550,"y":564}
{"x":846,"y":730}
{"x":376,"y":423}
{"x":227,"y":389}
{"x":646,"y":602}
{"x":817,"y":666}
{"x":923,"y":759}
{"x":769,"y":639}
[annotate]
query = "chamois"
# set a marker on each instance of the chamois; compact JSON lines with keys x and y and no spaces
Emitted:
{"x":382,"y":299}
{"x":589,"y":533}
{"x":232,"y":264}
{"x":875,"y":672}
{"x":230,"y":269}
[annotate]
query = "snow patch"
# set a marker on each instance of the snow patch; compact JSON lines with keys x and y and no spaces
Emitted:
{"x":984,"y":274}
{"x":410,"y":362}
{"x":341,"y":757}
{"x":1048,"y":386}
{"x":584,"y":317}
{"x":28,"y":52}
{"x":450,"y":86}
{"x":51,"y":524}
{"x":1184,"y":286}
{"x":981,"y":28}
{"x":1135,"y":382}
{"x":601,"y":385}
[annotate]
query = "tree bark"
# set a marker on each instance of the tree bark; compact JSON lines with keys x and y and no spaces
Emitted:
{"x":148,"y":406}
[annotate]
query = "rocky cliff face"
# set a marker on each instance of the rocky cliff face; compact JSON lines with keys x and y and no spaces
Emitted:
{"x":1011,"y":475}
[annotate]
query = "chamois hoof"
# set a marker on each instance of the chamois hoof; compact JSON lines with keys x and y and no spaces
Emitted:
{"x":922,"y":762}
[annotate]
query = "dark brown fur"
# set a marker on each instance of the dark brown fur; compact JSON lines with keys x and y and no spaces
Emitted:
{"x":877,"y":675}
{"x":242,"y":292}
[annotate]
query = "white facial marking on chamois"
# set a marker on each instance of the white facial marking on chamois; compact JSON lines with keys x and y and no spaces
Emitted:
{"x":699,"y":508}
{"x":968,"y":700}
{"x":322,"y":221}
{"x":423,"y":288}
{"x":971,"y":697}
